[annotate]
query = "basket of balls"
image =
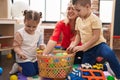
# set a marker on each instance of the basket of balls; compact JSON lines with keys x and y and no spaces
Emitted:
{"x":57,"y":65}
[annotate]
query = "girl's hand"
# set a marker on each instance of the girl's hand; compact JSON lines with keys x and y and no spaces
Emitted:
{"x":22,"y":56}
{"x":42,"y":46}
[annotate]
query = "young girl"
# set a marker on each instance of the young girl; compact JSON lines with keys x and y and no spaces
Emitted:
{"x":91,"y":35}
{"x":25,"y":44}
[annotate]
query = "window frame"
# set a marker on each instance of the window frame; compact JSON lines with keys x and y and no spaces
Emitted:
{"x":45,"y":18}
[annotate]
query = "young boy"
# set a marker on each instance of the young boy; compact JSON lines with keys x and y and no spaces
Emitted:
{"x":90,"y":33}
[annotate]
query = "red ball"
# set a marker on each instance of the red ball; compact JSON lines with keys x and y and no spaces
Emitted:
{"x":99,"y":59}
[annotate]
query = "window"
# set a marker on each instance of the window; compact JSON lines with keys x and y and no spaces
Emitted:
{"x":38,"y":5}
{"x":25,"y":1}
{"x":53,"y":10}
{"x":106,"y":10}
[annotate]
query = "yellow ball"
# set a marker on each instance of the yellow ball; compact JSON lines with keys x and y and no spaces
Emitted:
{"x":40,"y":51}
{"x":13,"y":77}
{"x":9,"y":55}
{"x":37,"y":49}
{"x":65,"y":53}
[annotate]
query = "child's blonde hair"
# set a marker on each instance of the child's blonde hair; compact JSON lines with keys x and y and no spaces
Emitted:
{"x":81,"y":2}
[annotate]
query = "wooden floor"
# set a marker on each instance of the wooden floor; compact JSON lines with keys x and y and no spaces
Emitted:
{"x":6,"y":64}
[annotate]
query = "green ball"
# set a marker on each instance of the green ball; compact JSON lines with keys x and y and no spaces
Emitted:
{"x":59,"y":54}
{"x":110,"y":78}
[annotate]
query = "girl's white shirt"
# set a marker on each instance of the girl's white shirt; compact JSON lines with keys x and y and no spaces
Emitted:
{"x":29,"y":45}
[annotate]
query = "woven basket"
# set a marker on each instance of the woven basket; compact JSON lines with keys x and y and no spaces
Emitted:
{"x":55,"y":66}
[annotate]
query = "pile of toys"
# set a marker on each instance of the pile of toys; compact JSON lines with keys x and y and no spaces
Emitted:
{"x":90,"y":72}
{"x":80,"y":72}
{"x":57,"y":65}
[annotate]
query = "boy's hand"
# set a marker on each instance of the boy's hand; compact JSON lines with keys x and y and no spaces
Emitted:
{"x":70,"y":49}
{"x":78,"y":48}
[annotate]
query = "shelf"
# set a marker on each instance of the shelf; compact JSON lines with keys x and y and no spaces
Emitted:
{"x":10,"y":48}
{"x":7,"y":21}
{"x":6,"y":37}
{"x":6,"y":33}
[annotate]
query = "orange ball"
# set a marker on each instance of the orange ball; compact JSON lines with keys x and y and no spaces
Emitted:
{"x":9,"y":56}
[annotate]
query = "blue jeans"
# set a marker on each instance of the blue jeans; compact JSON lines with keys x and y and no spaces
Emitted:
{"x":29,"y":68}
{"x":104,"y":51}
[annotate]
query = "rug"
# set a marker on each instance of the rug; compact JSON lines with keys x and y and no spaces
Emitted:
{"x":22,"y":77}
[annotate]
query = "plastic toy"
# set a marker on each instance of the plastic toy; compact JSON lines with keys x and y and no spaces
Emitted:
{"x":9,"y":56}
{"x":65,"y":53}
{"x":98,"y":66}
{"x":39,"y":51}
{"x":13,"y":77}
{"x":21,"y":77}
{"x":86,"y":66}
{"x":76,"y":66}
{"x":59,"y":54}
{"x":91,"y":74}
{"x":1,"y":70}
{"x":99,"y":59}
{"x":110,"y":78}
{"x":75,"y":75}
{"x":58,"y":47}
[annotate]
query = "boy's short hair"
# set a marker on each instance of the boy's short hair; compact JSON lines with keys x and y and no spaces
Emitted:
{"x":81,"y":2}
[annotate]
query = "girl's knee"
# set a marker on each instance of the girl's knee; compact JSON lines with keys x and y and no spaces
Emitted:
{"x":29,"y":74}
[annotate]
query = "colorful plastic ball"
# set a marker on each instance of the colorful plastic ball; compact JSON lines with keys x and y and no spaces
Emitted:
{"x":39,"y":51}
{"x":65,"y":53}
{"x":13,"y":77}
{"x":110,"y":78}
{"x":59,"y":54}
{"x":9,"y":56}
{"x":99,"y":59}
{"x":1,"y":70}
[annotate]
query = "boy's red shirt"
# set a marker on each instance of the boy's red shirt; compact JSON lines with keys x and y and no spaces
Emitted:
{"x":64,"y":31}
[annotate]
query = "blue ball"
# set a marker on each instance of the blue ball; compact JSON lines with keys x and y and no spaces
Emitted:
{"x":1,"y":70}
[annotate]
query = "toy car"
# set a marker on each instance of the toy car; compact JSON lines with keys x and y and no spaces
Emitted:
{"x":98,"y":66}
{"x":86,"y":66}
{"x":75,"y":75}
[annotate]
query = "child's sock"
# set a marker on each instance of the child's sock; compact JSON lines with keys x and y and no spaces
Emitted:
{"x":14,"y":68}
